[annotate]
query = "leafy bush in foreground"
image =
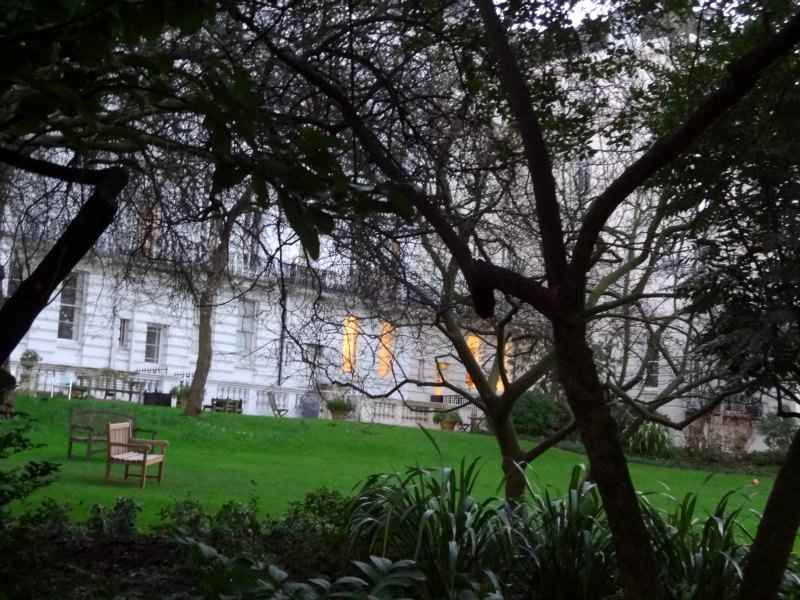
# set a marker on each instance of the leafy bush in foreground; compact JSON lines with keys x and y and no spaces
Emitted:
{"x":430,"y":516}
{"x":566,"y":542}
{"x":16,"y":484}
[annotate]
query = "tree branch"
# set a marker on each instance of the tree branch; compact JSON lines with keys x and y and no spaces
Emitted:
{"x":744,"y":73}
{"x":539,"y":163}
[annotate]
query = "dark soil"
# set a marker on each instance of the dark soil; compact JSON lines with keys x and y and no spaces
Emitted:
{"x":147,"y":567}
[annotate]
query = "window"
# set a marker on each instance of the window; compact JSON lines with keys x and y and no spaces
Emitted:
{"x":124,"y":334}
{"x":247,"y":326}
{"x":152,"y":343}
{"x":651,"y":362}
{"x":386,"y":349}
{"x":474,"y":345}
{"x":69,"y":312}
{"x":350,"y":344}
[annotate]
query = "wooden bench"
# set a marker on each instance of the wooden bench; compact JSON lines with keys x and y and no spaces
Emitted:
{"x":225,"y":405}
{"x":90,"y":427}
{"x":124,"y":449}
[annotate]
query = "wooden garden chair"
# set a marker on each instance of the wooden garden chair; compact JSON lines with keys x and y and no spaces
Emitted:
{"x":126,"y":450}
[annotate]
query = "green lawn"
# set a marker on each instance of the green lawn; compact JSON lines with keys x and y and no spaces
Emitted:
{"x":219,"y":457}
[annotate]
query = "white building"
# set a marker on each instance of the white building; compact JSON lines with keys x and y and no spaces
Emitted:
{"x":121,"y":339}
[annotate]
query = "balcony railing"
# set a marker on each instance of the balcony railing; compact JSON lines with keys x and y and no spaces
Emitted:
{"x":749,"y":407}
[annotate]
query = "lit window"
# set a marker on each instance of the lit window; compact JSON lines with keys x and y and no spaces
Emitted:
{"x":507,"y":365}
{"x":350,"y":344}
{"x":69,"y":313}
{"x":474,"y":345}
{"x":441,"y":372}
{"x":247,"y":326}
{"x":651,"y":363}
{"x":152,"y":343}
{"x":124,"y":335}
{"x":386,"y":349}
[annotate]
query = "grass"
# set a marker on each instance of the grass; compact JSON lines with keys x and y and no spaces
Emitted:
{"x":218,"y":457}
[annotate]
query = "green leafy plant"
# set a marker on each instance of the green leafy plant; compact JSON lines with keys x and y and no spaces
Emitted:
{"x":650,"y":440}
{"x":236,"y":526}
{"x":118,"y":522}
{"x":450,"y":416}
{"x":29,"y":358}
{"x":699,"y":558}
{"x":311,"y":536}
{"x":778,"y":432}
{"x":20,"y":482}
{"x":49,"y":519}
{"x":340,"y":405}
{"x":185,"y":518}
{"x":567,"y":542}
{"x":244,"y":578}
{"x":537,"y":414}
{"x":430,"y":515}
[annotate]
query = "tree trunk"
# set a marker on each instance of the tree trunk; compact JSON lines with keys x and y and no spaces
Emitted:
{"x":216,"y":274}
{"x":584,"y":392}
{"x":512,"y":455}
{"x":769,"y":554}
{"x":197,"y":390}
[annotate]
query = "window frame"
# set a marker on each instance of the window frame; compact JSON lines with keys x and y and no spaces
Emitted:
{"x":247,"y":337}
{"x":75,"y":307}
{"x":159,"y":344}
{"x":124,"y":334}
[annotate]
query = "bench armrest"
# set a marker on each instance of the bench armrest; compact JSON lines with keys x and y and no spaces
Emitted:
{"x":152,"y":444}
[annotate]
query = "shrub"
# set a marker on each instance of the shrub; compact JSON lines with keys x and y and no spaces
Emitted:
{"x":778,"y":432}
{"x":185,"y":518}
{"x":536,"y":414}
{"x":236,"y":527}
{"x":340,"y":405}
{"x":50,"y":519}
{"x":118,"y":523}
{"x":650,"y":440}
{"x":450,"y":416}
{"x":698,"y":558}
{"x":567,"y":541}
{"x":430,"y":516}
{"x":311,"y":537}
{"x":19,"y":483}
{"x":243,"y":577}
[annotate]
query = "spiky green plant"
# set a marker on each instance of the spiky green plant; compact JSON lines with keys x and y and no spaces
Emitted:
{"x":651,"y":440}
{"x":699,"y":557}
{"x":430,"y":516}
{"x":567,"y":541}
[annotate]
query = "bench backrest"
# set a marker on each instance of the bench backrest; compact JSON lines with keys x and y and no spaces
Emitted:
{"x":98,"y":420}
{"x":226,"y":405}
{"x":118,"y":433}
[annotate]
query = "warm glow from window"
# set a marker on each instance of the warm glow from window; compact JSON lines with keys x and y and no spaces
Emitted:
{"x":386,"y":349}
{"x":441,"y":371}
{"x":507,"y":364}
{"x":350,"y":344}
{"x":474,"y":345}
